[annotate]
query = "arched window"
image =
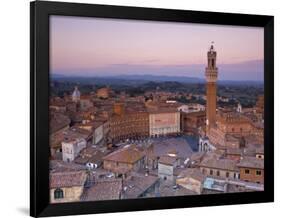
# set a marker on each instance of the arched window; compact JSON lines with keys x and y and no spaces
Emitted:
{"x":227,"y":174}
{"x":58,"y":193}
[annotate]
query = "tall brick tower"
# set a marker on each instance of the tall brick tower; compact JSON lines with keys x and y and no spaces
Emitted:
{"x":211,"y":74}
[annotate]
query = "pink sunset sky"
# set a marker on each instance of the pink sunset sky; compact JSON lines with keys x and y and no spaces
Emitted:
{"x":106,"y":47}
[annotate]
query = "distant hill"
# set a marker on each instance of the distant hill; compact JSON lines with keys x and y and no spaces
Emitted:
{"x":125,"y":79}
{"x":135,"y":80}
{"x":147,"y":77}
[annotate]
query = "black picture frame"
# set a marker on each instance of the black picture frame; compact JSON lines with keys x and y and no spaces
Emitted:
{"x":39,"y":95}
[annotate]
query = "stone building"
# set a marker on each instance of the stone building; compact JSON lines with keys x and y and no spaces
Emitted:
{"x":232,"y":129}
{"x":85,"y":102}
{"x":124,"y":160}
{"x":219,"y":167}
{"x":191,"y":122}
{"x":164,"y":122}
{"x":96,"y":128}
{"x":59,"y":123}
{"x":71,"y":148}
{"x":104,"y":92}
{"x":234,"y":153}
{"x":166,"y":167}
{"x":226,"y":129}
{"x":57,"y":104}
{"x":128,"y":125}
{"x":191,"y":179}
{"x":68,"y":134}
{"x":139,"y":186}
{"x":251,"y":169}
{"x":66,"y":186}
{"x":91,"y":155}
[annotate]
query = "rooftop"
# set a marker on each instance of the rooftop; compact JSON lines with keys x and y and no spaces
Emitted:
{"x":58,"y":121}
{"x":234,"y":151}
{"x":251,"y":162}
{"x":61,"y":166}
{"x":224,"y":164}
{"x":75,"y":132}
{"x":104,"y":190}
{"x":67,"y":179}
{"x":127,"y":154}
{"x":169,"y":190}
{"x":90,"y":154}
{"x":193,"y":173}
{"x":138,"y":184}
{"x":167,"y":160}
{"x":93,"y":124}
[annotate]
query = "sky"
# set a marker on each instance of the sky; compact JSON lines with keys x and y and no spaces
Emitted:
{"x":108,"y":47}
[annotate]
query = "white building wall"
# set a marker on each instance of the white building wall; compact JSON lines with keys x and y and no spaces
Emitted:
{"x":164,"y":123}
{"x":190,"y":108}
{"x":166,"y":172}
{"x":70,"y":150}
{"x":98,"y":134}
{"x":205,"y":145}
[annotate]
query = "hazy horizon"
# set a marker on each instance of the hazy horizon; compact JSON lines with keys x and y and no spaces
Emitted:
{"x":92,"y":47}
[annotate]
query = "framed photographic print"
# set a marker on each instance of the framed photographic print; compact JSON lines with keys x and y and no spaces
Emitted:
{"x":144,"y":108}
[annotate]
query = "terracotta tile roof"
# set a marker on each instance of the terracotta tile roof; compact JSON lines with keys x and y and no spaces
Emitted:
{"x":104,"y":190}
{"x":58,"y":121}
{"x":169,"y":191}
{"x":75,"y":132}
{"x":195,"y":114}
{"x":75,"y":116}
{"x":167,"y":160}
{"x":90,"y":154}
{"x":251,"y":162}
{"x":197,"y":156}
{"x":224,"y":164}
{"x":260,"y":150}
{"x":57,"y":101}
{"x":137,"y":184}
{"x":70,"y":134}
{"x":61,"y":166}
{"x":128,"y":154}
{"x":85,"y":97}
{"x":234,"y":151}
{"x":162,"y":110}
{"x":91,"y":124}
{"x":193,"y":173}
{"x":67,"y":179}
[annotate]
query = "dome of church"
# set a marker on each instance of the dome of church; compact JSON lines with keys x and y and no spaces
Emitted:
{"x":76,"y":94}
